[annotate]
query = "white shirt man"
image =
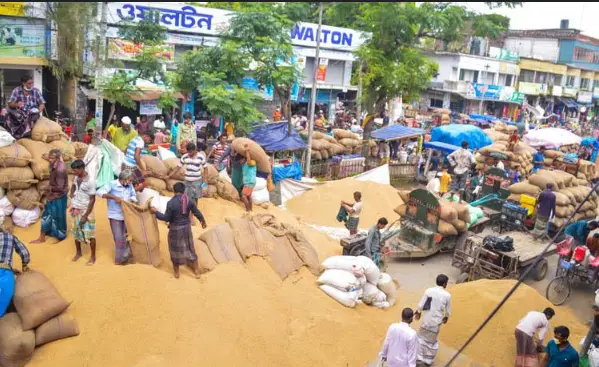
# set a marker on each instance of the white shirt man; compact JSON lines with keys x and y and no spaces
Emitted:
{"x":434,"y":185}
{"x":534,"y":322}
{"x":461,"y":159}
{"x":401,"y":343}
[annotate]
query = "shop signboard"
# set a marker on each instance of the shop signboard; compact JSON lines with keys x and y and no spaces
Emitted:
{"x":321,"y":73}
{"x":148,"y":108}
{"x":585,"y":97}
{"x":19,"y":38}
{"x":557,"y":91}
{"x":509,"y":68}
{"x":503,"y":54}
{"x":510,"y":94}
{"x":569,"y":92}
{"x":13,"y":9}
{"x":486,"y":91}
{"x":125,"y":50}
{"x":533,"y":89}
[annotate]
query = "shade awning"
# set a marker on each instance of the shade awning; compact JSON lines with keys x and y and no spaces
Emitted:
{"x":442,"y":147}
{"x":397,"y":132}
{"x":570,"y":103}
{"x":275,"y":137}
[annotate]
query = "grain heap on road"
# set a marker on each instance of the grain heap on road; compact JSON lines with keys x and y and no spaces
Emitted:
{"x":320,"y":205}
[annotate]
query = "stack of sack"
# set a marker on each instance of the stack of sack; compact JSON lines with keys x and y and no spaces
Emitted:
{"x":571,"y":148}
{"x":325,"y":146}
{"x":444,"y":114}
{"x":568,"y":191}
{"x":349,"y":279}
{"x":520,"y":159}
{"x":41,"y":318}
{"x":350,"y":141}
{"x":586,"y":170}
{"x":454,"y":218}
{"x":502,"y":127}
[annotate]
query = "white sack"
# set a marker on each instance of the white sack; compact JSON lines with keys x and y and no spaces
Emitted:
{"x":159,"y":202}
{"x":371,"y":294}
{"x":147,"y":193}
{"x":349,"y":263}
{"x":260,"y":196}
{"x":164,"y":154}
{"x":25,"y":218}
{"x":93,"y":161}
{"x":348,"y":299}
{"x":383,"y":304}
{"x":5,"y":138}
{"x":116,"y":156}
{"x":340,"y":279}
{"x":371,"y":271}
{"x":6,"y":207}
{"x":224,"y":175}
{"x":388,"y":286}
{"x":260,"y":184}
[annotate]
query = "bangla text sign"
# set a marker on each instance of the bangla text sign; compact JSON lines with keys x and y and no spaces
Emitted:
{"x":533,"y":89}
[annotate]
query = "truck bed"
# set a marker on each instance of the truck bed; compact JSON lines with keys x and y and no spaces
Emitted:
{"x":526,"y":248}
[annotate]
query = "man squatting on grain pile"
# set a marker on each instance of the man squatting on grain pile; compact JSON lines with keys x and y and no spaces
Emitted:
{"x":54,"y":216}
{"x":436,"y":304}
{"x":180,"y":238}
{"x":526,"y":349}
{"x":8,"y":244}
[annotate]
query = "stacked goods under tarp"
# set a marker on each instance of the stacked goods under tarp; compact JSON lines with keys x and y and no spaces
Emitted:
{"x":569,"y":194}
{"x":348,"y":279}
{"x":455,"y":134}
{"x":519,"y":159}
{"x":586,"y":170}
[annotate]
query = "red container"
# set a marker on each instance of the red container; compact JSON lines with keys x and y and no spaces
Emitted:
{"x":579,"y":253}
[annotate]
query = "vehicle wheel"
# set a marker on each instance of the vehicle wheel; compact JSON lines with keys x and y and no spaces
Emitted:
{"x":558,"y":291}
{"x":540,"y":271}
{"x":463,"y":278}
{"x":357,"y":251}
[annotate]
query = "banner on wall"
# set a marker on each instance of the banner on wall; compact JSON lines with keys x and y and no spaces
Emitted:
{"x":485,"y":91}
{"x":149,"y":107}
{"x":13,"y":9}
{"x":21,"y":39}
{"x":125,"y":50}
{"x":321,"y":74}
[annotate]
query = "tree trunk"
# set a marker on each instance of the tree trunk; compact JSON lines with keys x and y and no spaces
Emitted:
{"x":378,"y":109}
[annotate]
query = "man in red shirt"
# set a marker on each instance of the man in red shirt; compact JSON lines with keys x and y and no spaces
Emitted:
{"x":89,"y":137}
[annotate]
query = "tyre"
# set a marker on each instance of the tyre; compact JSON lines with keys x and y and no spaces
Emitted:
{"x":558,"y":290}
{"x":540,"y":271}
{"x":357,"y":250}
{"x":463,"y":278}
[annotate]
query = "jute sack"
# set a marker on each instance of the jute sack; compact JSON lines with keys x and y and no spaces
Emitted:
{"x":541,"y":180}
{"x":524,"y":188}
{"x":447,"y":229}
{"x":281,"y":255}
{"x":66,"y":148}
{"x":256,"y":152}
{"x":46,"y":130}
{"x":36,"y":299}
{"x":404,"y":195}
{"x":156,"y":184}
{"x":170,"y":184}
{"x":221,"y":243}
{"x":303,"y":248}
{"x":316,"y":135}
{"x":212,"y":175}
{"x":227,"y":191}
{"x":335,"y":149}
{"x":248,"y":238}
{"x":315,"y":155}
{"x":344,"y":134}
{"x":371,"y":143}
{"x":570,"y":196}
{"x":319,"y":144}
{"x":561,"y":199}
{"x":7,"y":225}
{"x":349,"y":143}
{"x":447,"y":212}
{"x":16,"y":344}
{"x":553,"y":154}
{"x":16,"y":178}
{"x":142,"y":227}
{"x":60,"y":327}
{"x":565,"y":176}
{"x":43,"y":186}
{"x":578,"y":195}
{"x":210,"y":192}
{"x":154,"y":166}
{"x":330,"y":139}
{"x":39,"y":165}
{"x":205,"y":260}
{"x":562,"y":211}
{"x":401,"y":210}
{"x":324,"y":154}
{"x":460,"y":225}
{"x":14,"y":155}
{"x":514,"y":197}
{"x":80,"y":149}
{"x":171,"y":164}
{"x":461,"y":209}
{"x":25,"y":199}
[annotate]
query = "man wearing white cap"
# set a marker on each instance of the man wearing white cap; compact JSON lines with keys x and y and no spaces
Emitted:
{"x":124,"y":134}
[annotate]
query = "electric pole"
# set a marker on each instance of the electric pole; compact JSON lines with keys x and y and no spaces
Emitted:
{"x":312,"y":108}
{"x":100,"y":61}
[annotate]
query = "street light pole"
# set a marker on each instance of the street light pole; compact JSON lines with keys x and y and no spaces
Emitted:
{"x":312,"y":108}
{"x":100,"y":58}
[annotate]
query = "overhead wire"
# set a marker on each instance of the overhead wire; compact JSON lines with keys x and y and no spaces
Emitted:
{"x":521,"y":279}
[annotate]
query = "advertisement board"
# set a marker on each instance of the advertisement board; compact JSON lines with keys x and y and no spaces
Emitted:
{"x":321,"y":74}
{"x":557,"y":90}
{"x":149,"y":108}
{"x":22,"y":39}
{"x":585,"y":97}
{"x":124,"y":50}
{"x":486,"y":91}
{"x":533,"y":89}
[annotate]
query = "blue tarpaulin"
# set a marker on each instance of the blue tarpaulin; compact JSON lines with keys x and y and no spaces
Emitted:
{"x":442,"y":147}
{"x":570,"y":103}
{"x":273,"y":138}
{"x":395,"y":132}
{"x":488,"y":118}
{"x":456,"y":134}
{"x":293,"y":170}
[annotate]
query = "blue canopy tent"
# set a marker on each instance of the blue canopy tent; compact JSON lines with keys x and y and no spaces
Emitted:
{"x":273,"y":138}
{"x":397,"y":132}
{"x":488,"y":118}
{"x":454,"y":133}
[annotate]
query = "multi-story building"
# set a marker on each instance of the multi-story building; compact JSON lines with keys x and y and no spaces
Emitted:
{"x":474,"y":84}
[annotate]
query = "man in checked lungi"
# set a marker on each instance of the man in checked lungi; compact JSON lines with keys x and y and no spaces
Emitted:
{"x":533,"y":323}
{"x":180,"y":238}
{"x":83,"y":198}
{"x":436,"y":305}
{"x":118,"y":191}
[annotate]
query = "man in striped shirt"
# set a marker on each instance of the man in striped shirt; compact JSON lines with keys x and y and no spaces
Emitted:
{"x":218,"y":151}
{"x":194,"y":162}
{"x":133,"y":163}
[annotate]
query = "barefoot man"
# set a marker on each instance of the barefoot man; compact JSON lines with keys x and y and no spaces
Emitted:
{"x":83,"y":198}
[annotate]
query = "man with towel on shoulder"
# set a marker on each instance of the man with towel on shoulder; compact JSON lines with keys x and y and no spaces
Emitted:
{"x":350,"y":213}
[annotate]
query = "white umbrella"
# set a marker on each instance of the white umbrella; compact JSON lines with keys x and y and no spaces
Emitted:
{"x":551,"y":137}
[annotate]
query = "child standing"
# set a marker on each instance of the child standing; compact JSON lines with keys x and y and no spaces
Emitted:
{"x":445,"y":180}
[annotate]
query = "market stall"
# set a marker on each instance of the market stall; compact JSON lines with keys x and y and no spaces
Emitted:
{"x":399,"y":133}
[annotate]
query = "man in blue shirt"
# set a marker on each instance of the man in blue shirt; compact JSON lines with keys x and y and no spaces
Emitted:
{"x":559,"y":352}
{"x":580,"y":231}
{"x":538,"y":160}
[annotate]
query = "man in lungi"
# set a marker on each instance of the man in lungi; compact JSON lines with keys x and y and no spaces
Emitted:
{"x":180,"y":239}
{"x":8,"y":244}
{"x":461,"y":160}
{"x":352,"y":211}
{"x":436,"y":305}
{"x":54,"y":216}
{"x":526,"y":349}
{"x":83,"y":198}
{"x":545,"y":210}
{"x":373,"y":242}
{"x":119,"y":190}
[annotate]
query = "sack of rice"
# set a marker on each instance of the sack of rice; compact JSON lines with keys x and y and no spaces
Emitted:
{"x":524,"y":188}
{"x":316,"y":155}
{"x":155,"y":184}
{"x":14,"y":155}
{"x":142,"y":226}
{"x":16,"y":178}
{"x":25,"y":218}
{"x":553,"y":154}
{"x":170,"y":184}
{"x":447,"y":229}
{"x":578,"y":196}
{"x":80,"y":149}
{"x":66,"y":148}
{"x":25,"y":199}
{"x":39,"y":165}
{"x":171,"y":164}
{"x":561,"y":199}
{"x":324,"y":154}
{"x":541,"y":180}
{"x":16,"y":344}
{"x":344,"y":134}
{"x":447,"y":212}
{"x":461,"y":209}
{"x":155,"y":166}
{"x":316,"y":135}
{"x":256,"y":152}
{"x":349,"y":143}
{"x":36,"y":299}
{"x":227,"y":191}
{"x":319,"y":144}
{"x":210,"y":192}
{"x":570,"y":196}
{"x":562,"y":211}
{"x":514,"y":197}
{"x":221,"y":243}
{"x":60,"y":327}
{"x":211,"y":176}
{"x":496,"y":135}
{"x":335,"y":149}
{"x":46,"y":130}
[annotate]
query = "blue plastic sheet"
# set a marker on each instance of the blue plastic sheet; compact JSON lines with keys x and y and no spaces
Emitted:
{"x":293,"y":170}
{"x":395,"y":132}
{"x":441,"y":147}
{"x":455,"y":134}
{"x":488,"y":118}
{"x":273,"y":138}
